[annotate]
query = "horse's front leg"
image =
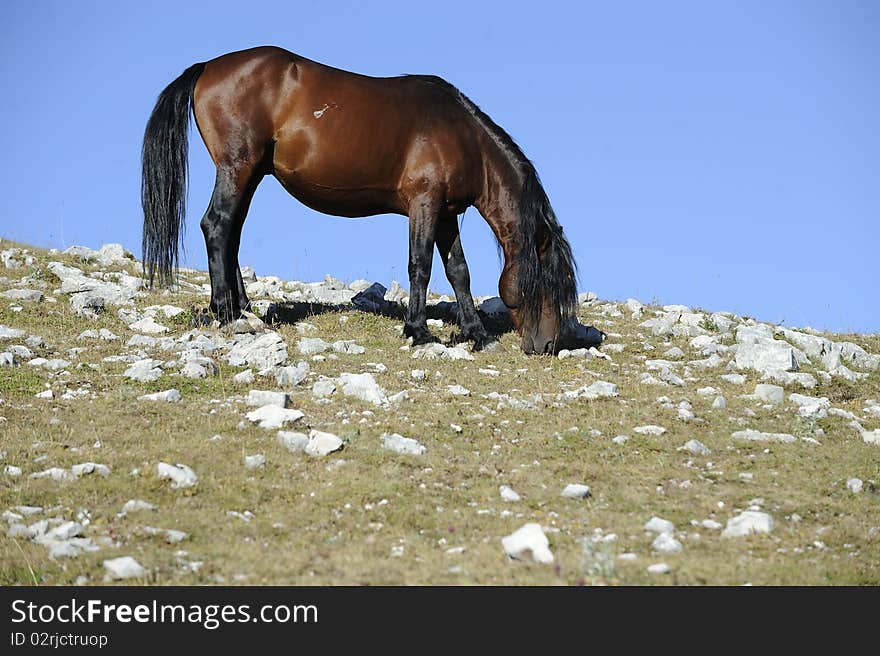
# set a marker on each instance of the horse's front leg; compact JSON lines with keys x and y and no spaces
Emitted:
{"x":423,"y":216}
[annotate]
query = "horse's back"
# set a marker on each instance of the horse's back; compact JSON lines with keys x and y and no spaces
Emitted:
{"x":341,"y":142}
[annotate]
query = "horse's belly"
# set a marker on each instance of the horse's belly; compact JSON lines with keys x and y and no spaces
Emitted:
{"x":340,"y":200}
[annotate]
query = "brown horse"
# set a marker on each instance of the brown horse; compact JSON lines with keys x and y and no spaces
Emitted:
{"x":351,"y":145}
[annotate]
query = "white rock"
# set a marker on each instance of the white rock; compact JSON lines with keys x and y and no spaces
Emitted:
{"x":148,"y":325}
{"x":710,"y":524}
{"x":87,"y":468}
{"x":658,"y":568}
{"x":256,"y":461}
{"x":320,"y":444}
{"x":403,"y":445}
{"x":417,"y":374}
{"x":363,"y":387}
{"x":746,"y":523}
{"x":144,"y":371}
{"x":696,"y":447}
{"x":758,"y":436}
{"x":55,"y":473}
{"x":720,"y":403}
{"x":871,"y":437}
{"x":292,"y":375}
{"x":124,"y":567}
{"x":734,"y":379}
{"x":12,"y":471}
{"x":193,"y":370}
{"x":658,"y":525}
{"x":620,"y":439}
{"x":134,"y":505}
{"x":665,"y":543}
{"x":271,"y":416}
{"x":649,"y":430}
{"x":508,"y":493}
{"x":599,"y":389}
{"x":171,"y":396}
{"x":264,"y":352}
{"x":10,"y":333}
{"x":707,"y":391}
{"x":245,"y":377}
{"x":180,"y":475}
{"x":437,"y":351}
{"x":528,"y":543}
{"x":292,"y":441}
{"x":575,"y":491}
{"x":854,"y":485}
{"x":323,"y":388}
{"x":46,"y":394}
{"x":769,"y":393}
{"x":458,"y":390}
{"x":259,"y":398}
{"x":348,"y":346}
{"x":766,"y":356}
{"x":23,"y":295}
{"x":311,"y":345}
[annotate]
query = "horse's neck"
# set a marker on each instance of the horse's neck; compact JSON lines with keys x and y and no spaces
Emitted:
{"x":499,"y":202}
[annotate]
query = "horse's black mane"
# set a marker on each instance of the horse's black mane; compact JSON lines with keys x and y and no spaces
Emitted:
{"x":554,"y":278}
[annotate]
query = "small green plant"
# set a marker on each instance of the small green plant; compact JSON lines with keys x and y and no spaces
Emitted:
{"x":708,"y":324}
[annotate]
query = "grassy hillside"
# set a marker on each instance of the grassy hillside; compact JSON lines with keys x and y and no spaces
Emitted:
{"x":367,"y":515}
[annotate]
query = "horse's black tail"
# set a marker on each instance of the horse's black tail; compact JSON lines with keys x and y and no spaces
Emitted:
{"x":164,"y":175}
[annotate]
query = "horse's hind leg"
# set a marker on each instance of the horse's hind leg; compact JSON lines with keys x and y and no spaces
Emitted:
{"x":243,"y":303}
{"x":221,"y":226}
{"x":422,"y":227}
{"x":449,"y":245}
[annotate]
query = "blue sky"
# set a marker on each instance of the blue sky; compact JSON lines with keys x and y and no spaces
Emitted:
{"x":716,"y":154}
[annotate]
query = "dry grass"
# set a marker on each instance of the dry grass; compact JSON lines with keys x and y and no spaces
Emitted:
{"x":337,"y":520}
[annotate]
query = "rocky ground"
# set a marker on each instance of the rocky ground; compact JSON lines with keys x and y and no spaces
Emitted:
{"x":691,"y":448}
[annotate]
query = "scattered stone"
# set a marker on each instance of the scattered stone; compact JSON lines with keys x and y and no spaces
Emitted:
{"x":575,"y":491}
{"x":292,"y":441}
{"x":272,"y":416}
{"x":734,"y":379}
{"x":665,"y":543}
{"x":658,"y":525}
{"x":871,"y":437}
{"x":46,"y":394}
{"x":766,"y":356}
{"x":55,"y":473}
{"x":323,"y":388}
{"x":746,"y":523}
{"x":649,"y":430}
{"x":321,"y":444}
{"x":148,"y":325}
{"x":854,"y":485}
{"x":720,"y":403}
{"x":437,"y":351}
{"x":180,"y":475}
{"x":508,"y":494}
{"x":135,"y":505}
{"x":403,"y":445}
{"x":23,"y":295}
{"x":144,"y":371}
{"x":696,"y":447}
{"x":124,"y":567}
{"x":458,"y":390}
{"x":528,"y":543}
{"x":170,"y":396}
{"x":257,"y":461}
{"x":293,"y":375}
{"x":348,"y":346}
{"x":245,"y":377}
{"x":10,"y":333}
{"x":363,"y":387}
{"x":312,"y":345}
{"x":658,"y":568}
{"x":87,"y":468}
{"x":264,"y":352}
{"x":769,"y":393}
{"x":620,"y":439}
{"x":259,"y":398}
{"x":758,"y":436}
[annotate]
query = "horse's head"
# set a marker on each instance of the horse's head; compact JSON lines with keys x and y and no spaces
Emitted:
{"x":540,"y":332}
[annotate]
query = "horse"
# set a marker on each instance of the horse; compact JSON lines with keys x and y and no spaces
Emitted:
{"x":352,"y":145}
